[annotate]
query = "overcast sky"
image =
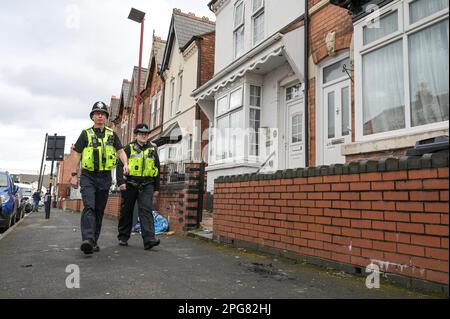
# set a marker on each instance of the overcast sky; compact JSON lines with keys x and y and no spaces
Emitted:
{"x":58,"y":57}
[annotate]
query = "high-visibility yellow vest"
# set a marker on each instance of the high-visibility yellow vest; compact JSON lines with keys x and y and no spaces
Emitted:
{"x":100,"y":154}
{"x":142,"y":163}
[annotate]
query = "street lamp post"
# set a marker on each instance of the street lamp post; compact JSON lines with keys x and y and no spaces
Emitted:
{"x":138,"y":16}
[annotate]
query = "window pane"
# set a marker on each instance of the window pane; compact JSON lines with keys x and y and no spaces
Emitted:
{"x":239,"y":41}
{"x":296,"y":128}
{"x":331,"y":108}
{"x":381,"y":28}
{"x":255,"y":95}
{"x":293,"y":92}
{"x":257,"y":4}
{"x":254,"y":131}
{"x":383,"y":90}
{"x":239,"y":15}
{"x":345,"y":111}
{"x":236,"y":98}
{"x":258,"y":28}
{"x":222,"y":105}
{"x":221,"y":138}
{"x":236,"y":146}
{"x":335,"y":71}
{"x":423,"y":8}
{"x":428,"y":65}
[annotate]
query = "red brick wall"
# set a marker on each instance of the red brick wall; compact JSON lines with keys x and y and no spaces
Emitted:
{"x":329,"y":18}
{"x":64,"y":174}
{"x":179,"y":202}
{"x":146,"y":109}
{"x":207,"y":51}
{"x":112,"y":207}
{"x":347,"y":214}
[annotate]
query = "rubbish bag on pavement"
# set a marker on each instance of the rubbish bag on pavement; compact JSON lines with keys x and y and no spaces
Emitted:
{"x":161,"y":224}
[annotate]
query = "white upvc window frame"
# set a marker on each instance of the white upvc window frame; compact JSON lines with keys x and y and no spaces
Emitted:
{"x":230,"y":110}
{"x":158,"y":109}
{"x":256,"y":13}
{"x":403,"y":32}
{"x":152,"y":110}
{"x":187,"y":154}
{"x":258,"y":132}
{"x":180,"y":92}
{"x":172,"y":96}
{"x":237,"y":28}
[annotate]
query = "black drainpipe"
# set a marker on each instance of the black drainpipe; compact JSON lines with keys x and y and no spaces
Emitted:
{"x":306,"y":84}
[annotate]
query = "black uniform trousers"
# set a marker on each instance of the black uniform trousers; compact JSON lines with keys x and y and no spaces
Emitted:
{"x":144,"y":195}
{"x":95,"y":194}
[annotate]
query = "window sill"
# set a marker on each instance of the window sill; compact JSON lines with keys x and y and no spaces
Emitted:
{"x":221,"y":166}
{"x":390,"y":143}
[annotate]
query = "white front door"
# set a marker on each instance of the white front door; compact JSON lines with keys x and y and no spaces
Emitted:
{"x":337,"y":121}
{"x":294,"y":136}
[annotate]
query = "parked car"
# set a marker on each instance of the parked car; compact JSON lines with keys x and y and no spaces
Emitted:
{"x":25,"y":198}
{"x":9,"y":201}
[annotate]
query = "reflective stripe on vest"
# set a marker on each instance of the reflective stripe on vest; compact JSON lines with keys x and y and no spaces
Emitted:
{"x":142,"y":163}
{"x":100,"y":154}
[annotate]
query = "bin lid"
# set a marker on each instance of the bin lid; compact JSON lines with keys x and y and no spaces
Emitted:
{"x":429,"y":145}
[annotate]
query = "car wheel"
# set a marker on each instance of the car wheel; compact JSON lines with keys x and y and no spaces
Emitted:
{"x":10,"y":222}
{"x":18,"y":214}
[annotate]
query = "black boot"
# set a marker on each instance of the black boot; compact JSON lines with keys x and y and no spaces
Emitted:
{"x":151,"y":243}
{"x":96,"y":248}
{"x":87,"y":247}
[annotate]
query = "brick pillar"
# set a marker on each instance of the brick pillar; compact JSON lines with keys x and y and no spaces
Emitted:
{"x":194,"y":194}
{"x":180,"y":202}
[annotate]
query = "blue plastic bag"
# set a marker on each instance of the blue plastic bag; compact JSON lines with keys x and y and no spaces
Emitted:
{"x":161,"y":224}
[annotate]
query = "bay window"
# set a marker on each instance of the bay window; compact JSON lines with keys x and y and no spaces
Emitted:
{"x":401,"y":59}
{"x":235,"y":133}
{"x":228,"y":134}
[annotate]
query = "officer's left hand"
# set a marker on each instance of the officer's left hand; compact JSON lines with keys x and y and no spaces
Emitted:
{"x":126,"y":170}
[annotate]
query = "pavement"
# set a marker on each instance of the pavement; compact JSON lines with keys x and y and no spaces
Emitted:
{"x":35,"y":254}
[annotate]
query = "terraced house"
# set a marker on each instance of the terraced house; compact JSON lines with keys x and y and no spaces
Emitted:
{"x":399,"y":62}
{"x":254,"y":102}
{"x":376,"y":75}
{"x":326,"y":97}
{"x":187,"y":63}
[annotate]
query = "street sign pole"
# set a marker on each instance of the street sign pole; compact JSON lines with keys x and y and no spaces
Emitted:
{"x":42,"y":162}
{"x":55,"y":151}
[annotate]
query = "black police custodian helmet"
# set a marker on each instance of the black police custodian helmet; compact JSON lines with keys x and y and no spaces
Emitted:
{"x":141,"y":128}
{"x":99,"y":107}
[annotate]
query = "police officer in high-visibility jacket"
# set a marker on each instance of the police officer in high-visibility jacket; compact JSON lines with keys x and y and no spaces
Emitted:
{"x":141,"y":185}
{"x":97,"y":147}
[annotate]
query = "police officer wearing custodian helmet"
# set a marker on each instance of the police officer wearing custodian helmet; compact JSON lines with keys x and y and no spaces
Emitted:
{"x":141,"y":185}
{"x":97,"y":147}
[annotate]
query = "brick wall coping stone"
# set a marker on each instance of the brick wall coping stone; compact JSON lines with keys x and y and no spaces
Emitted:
{"x":432,"y":160}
